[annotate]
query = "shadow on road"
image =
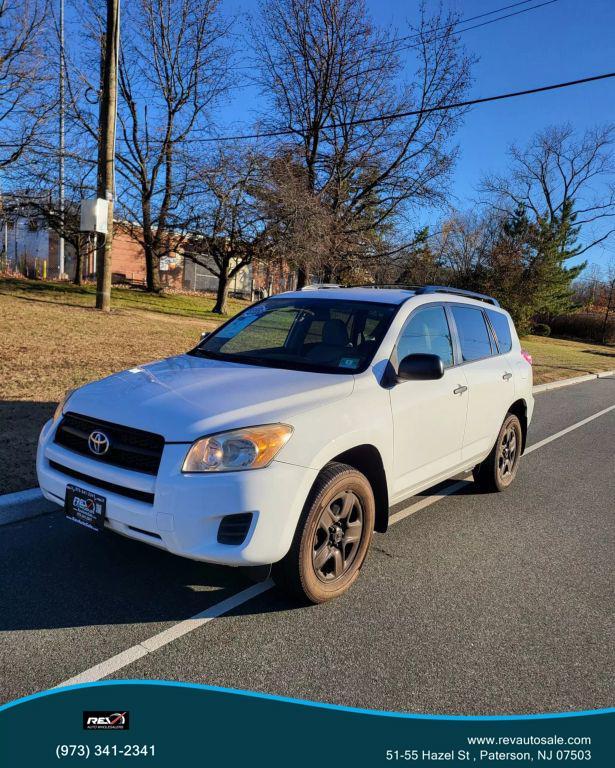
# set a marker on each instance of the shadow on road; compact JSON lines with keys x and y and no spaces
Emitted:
{"x":56,"y":574}
{"x":20,"y":425}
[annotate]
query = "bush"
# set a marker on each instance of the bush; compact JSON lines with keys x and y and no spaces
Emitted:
{"x":542,"y":329}
{"x":588,"y":326}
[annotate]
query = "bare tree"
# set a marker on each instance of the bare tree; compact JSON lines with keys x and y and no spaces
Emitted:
{"x":295,"y":220}
{"x":173,"y":68}
{"x":465,"y":245}
{"x":21,"y":110}
{"x":230,"y":230}
{"x":559,"y":171}
{"x":332,"y":80}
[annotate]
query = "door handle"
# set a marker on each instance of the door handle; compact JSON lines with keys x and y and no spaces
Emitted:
{"x":507,"y":376}
{"x":460,"y":390}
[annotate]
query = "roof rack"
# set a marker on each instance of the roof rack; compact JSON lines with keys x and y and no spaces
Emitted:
{"x":320,"y":286}
{"x":385,"y":286}
{"x":418,"y":290}
{"x":457,"y":292}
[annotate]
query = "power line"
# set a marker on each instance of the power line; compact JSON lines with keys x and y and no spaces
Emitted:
{"x":396,"y":48}
{"x":476,"y":26}
{"x":412,"y":112}
{"x":487,"y":13}
{"x":382,"y":117}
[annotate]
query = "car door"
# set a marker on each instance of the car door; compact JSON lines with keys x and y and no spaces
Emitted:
{"x":428,"y":416}
{"x":489,"y":377}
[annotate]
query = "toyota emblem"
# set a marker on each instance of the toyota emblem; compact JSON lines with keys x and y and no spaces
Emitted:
{"x":98,"y":443}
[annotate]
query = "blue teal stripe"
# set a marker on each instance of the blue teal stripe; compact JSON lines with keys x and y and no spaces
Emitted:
{"x":306,"y":703}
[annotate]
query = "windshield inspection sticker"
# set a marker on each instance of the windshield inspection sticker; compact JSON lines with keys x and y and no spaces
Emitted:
{"x":349,"y":362}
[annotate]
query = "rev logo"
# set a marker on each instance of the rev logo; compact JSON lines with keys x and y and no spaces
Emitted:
{"x":106,"y":721}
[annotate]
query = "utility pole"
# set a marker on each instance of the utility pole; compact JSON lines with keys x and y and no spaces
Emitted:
{"x":106,"y":151}
{"x":61,"y":168}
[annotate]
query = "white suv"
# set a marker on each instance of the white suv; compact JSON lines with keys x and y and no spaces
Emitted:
{"x":284,"y":437}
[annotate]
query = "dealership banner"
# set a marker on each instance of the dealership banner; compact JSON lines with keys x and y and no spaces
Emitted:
{"x":175,"y":724}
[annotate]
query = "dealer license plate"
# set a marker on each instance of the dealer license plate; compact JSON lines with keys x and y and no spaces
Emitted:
{"x":85,"y":507}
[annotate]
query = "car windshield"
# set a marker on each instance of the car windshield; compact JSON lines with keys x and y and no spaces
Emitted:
{"x":326,"y":335}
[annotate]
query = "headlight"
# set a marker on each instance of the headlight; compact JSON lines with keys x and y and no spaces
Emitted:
{"x":60,"y":407}
{"x":250,"y":448}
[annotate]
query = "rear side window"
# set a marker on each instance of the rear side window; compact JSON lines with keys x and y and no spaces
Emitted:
{"x":427,"y":332}
{"x":474,"y":336}
{"x":502,"y":330}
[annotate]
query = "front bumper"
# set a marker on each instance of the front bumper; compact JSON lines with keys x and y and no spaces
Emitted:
{"x":187,"y":509}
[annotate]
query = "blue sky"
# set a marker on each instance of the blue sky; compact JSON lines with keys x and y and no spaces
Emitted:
{"x":565,"y":40}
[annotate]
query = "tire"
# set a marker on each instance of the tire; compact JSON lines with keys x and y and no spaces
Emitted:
{"x":332,"y":537}
{"x":498,"y":471}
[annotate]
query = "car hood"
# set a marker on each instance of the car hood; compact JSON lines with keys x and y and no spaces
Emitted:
{"x":185,"y":397}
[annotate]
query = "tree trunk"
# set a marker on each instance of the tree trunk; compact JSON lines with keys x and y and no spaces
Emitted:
{"x":301,"y":278}
{"x":78,"y":263}
{"x":152,"y":273}
{"x":220,"y":307}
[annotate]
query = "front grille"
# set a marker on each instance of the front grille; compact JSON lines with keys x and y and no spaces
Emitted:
{"x":128,"y":448}
{"x":121,"y":490}
{"x":234,"y":528}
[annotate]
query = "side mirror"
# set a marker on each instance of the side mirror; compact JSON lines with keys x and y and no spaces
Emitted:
{"x":420,"y":367}
{"x":204,"y":335}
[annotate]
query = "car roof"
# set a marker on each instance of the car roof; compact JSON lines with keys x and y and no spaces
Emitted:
{"x":389,"y":295}
{"x":380,"y":295}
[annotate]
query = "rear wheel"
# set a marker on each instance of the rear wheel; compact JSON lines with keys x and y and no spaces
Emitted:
{"x":499,"y":469}
{"x":332,"y":537}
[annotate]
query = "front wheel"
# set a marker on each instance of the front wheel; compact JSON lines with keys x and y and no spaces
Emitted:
{"x":332,"y":537}
{"x":499,"y":469}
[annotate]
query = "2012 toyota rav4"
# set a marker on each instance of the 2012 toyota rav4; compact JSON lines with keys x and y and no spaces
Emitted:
{"x":284,"y":437}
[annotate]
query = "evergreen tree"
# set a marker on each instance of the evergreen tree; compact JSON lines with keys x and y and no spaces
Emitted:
{"x":528,"y":268}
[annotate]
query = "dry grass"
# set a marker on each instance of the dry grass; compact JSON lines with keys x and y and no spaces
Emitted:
{"x":46,"y":348}
{"x":562,"y":359}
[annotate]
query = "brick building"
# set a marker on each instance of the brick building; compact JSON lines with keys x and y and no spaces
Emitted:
{"x":30,"y":247}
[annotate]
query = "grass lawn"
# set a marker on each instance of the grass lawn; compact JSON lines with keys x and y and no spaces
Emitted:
{"x":562,"y":359}
{"x":188,"y":305}
{"x":52,"y":339}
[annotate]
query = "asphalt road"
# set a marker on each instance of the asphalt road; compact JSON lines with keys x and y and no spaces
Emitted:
{"x":475,"y":604}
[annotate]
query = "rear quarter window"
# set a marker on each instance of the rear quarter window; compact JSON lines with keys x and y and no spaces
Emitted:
{"x":474,"y":336}
{"x":501,"y":326}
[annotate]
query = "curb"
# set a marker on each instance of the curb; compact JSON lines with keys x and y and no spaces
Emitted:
{"x":20,"y":497}
{"x":575,"y":380}
{"x":25,"y":505}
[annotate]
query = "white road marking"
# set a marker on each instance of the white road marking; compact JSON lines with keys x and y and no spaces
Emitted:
{"x":563,"y":432}
{"x":427,"y":501}
{"x":167,"y":636}
{"x":123,"y":659}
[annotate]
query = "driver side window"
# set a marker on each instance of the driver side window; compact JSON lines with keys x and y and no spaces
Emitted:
{"x":427,"y":332}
